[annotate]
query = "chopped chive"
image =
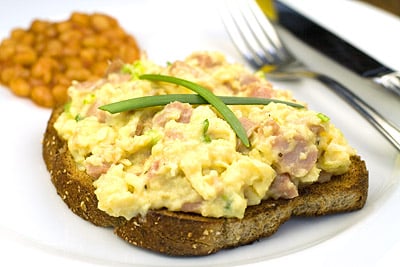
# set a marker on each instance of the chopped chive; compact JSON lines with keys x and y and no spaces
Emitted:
{"x":89,"y":99}
{"x":134,"y":69}
{"x":206,"y":137}
{"x":323,"y":117}
{"x":78,"y":117}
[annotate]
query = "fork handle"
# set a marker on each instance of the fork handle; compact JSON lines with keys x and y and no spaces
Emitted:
{"x":385,"y":127}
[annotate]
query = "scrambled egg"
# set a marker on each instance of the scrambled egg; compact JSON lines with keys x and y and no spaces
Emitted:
{"x":186,"y":157}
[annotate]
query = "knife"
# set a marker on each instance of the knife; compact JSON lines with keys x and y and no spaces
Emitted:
{"x":337,"y":49}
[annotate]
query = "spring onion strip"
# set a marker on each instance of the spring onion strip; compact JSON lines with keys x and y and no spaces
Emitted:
{"x":203,"y":96}
{"x":194,"y":99}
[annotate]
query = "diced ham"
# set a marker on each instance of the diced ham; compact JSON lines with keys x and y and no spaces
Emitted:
{"x":173,"y":134}
{"x":191,"y":207}
{"x":186,"y":112}
{"x":98,"y":113}
{"x":179,"y":67}
{"x":154,"y":167}
{"x":247,"y":79}
{"x":89,"y":86}
{"x":114,"y":66}
{"x":274,"y":126}
{"x":280,"y":144}
{"x":255,"y":87}
{"x":96,"y":171}
{"x":204,"y":61}
{"x":316,"y":129}
{"x":144,"y":123}
{"x":261,"y":90}
{"x":268,"y":127}
{"x":180,"y":112}
{"x":248,"y":125}
{"x":283,"y":187}
{"x":296,"y":159}
{"x":324,"y":176}
{"x":120,"y":78}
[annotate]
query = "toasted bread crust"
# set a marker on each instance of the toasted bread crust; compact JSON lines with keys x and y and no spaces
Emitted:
{"x":74,"y":187}
{"x":186,"y":234}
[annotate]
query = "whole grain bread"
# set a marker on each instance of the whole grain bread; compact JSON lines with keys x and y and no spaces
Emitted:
{"x":187,"y":234}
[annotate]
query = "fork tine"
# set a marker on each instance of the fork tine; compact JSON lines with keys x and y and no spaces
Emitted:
{"x":228,"y":12}
{"x":245,"y":22}
{"x":240,"y":33}
{"x":267,"y":30}
{"x":264,"y":46}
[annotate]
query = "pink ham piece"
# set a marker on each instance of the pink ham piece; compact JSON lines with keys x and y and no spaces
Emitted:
{"x":96,"y":171}
{"x":283,"y":187}
{"x":205,"y":61}
{"x":180,"y":112}
{"x":297,"y":159}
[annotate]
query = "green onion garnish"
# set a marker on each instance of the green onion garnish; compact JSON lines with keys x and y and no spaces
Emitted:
{"x":194,"y":99}
{"x":204,"y":97}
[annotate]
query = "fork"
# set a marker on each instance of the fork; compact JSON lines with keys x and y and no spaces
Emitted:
{"x":256,"y":38}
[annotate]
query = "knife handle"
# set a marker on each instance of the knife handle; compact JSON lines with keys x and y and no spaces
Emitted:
{"x":390,"y":81}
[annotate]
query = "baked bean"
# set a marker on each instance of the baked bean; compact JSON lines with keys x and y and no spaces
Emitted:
{"x":43,"y":68}
{"x":103,"y":55}
{"x":95,"y":41}
{"x":17,"y":34}
{"x":50,"y":31}
{"x":72,"y":62}
{"x":99,"y":68}
{"x":39,"y":26}
{"x":42,"y":96}
{"x":10,"y":73}
{"x":42,"y":61}
{"x":79,"y":74}
{"x":71,"y":49}
{"x":63,"y":26}
{"x":59,"y":78}
{"x":88,"y":56}
{"x":20,"y":87}
{"x":40,"y":42}
{"x":101,"y":22}
{"x":59,"y":93}
{"x":35,"y":82}
{"x":53,"y":48}
{"x":70,"y":35}
{"x":9,"y":42}
{"x":7,"y":52}
{"x":80,"y":19}
{"x":116,"y":33}
{"x":28,"y":39}
{"x":26,"y":57}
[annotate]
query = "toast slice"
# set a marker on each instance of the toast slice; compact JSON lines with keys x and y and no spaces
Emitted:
{"x":188,"y":234}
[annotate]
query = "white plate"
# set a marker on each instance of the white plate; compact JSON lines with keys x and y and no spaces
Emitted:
{"x":37,"y":227}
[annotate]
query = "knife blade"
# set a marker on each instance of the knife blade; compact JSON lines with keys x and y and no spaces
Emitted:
{"x":336,"y":48}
